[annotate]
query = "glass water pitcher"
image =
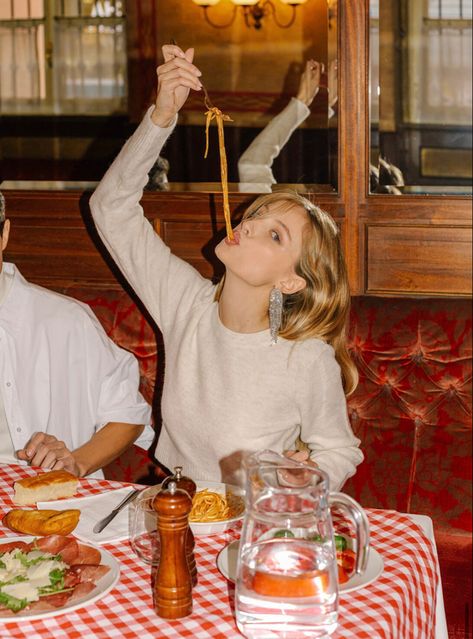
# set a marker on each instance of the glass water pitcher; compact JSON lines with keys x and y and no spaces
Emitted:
{"x":286,"y":582}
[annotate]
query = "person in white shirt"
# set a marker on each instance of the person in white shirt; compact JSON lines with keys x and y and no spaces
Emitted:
{"x":68,"y":395}
{"x":237,"y":380}
{"x":255,"y":164}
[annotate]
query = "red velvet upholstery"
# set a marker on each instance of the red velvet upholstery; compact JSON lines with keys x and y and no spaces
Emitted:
{"x":412,"y":411}
{"x":412,"y":408}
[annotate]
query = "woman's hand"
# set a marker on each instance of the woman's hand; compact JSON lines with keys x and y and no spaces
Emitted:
{"x":300,"y":456}
{"x":310,"y":81}
{"x":46,"y":451}
{"x":175,"y":79}
{"x":297,"y":476}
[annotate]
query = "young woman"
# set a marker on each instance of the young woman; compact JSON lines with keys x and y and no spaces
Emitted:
{"x":228,"y":388}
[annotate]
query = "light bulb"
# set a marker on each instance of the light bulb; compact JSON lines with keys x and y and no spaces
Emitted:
{"x":245,"y":3}
{"x":294,"y":2}
{"x":206,"y":3}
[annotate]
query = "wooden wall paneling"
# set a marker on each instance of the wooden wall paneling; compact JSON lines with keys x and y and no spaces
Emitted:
{"x":425,"y":208}
{"x":425,"y":260}
{"x":353,"y":139}
{"x":53,"y":244}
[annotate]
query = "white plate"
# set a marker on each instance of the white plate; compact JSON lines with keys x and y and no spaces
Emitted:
{"x":216,"y":527}
{"x":227,"y":561}
{"x":102,"y":587}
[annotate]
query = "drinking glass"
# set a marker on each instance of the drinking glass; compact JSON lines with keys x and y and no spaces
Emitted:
{"x":144,"y":537}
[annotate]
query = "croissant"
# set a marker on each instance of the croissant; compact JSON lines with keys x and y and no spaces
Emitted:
{"x":42,"y":522}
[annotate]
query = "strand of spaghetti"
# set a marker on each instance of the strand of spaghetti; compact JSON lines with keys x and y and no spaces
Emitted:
{"x":215,"y":113}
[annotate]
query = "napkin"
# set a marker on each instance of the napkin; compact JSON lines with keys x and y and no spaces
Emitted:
{"x":93,"y":509}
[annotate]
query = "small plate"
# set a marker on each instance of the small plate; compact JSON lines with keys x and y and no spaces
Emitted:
{"x":216,"y":527}
{"x":227,"y":561}
{"x":102,"y":587}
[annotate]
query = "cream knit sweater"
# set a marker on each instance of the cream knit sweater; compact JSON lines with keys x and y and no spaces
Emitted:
{"x":224,"y":393}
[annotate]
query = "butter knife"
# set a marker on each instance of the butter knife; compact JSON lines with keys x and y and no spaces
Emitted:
{"x":100,"y":525}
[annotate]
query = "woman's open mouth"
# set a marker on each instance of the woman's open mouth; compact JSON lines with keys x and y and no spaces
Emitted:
{"x":235,"y":241}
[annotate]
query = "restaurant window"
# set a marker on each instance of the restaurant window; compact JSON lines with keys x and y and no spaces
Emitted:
{"x":440,"y":63}
{"x":62,"y":56}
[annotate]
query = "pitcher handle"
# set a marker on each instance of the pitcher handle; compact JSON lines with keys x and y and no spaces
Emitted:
{"x":362,"y":527}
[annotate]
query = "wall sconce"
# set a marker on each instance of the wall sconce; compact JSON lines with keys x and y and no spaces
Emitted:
{"x":253,"y":11}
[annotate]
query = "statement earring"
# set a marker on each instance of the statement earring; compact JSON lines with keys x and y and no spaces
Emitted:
{"x":275,"y":313}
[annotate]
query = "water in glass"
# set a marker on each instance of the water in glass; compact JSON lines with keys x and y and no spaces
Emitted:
{"x":287,"y":588}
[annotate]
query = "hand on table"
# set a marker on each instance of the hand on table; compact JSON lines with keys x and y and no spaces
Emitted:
{"x":46,"y":451}
{"x":175,"y":79}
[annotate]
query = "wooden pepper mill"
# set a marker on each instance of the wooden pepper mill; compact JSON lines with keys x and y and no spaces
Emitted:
{"x":187,"y":484}
{"x":173,"y":586}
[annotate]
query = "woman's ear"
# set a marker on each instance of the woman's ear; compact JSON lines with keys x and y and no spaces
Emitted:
{"x":293,"y":284}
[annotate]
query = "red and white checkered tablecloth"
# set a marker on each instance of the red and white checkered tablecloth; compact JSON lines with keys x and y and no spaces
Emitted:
{"x":399,"y":605}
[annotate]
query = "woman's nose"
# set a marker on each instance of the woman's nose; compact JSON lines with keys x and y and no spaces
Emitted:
{"x":245,"y":227}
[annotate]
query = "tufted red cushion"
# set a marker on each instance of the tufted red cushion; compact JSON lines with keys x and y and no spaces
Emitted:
{"x":412,"y":411}
{"x":412,"y":408}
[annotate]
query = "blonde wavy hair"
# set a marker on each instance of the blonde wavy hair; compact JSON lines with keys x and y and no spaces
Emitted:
{"x":320,"y":309}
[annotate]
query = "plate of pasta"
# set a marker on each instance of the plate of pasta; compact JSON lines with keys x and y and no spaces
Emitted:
{"x":216,"y":507}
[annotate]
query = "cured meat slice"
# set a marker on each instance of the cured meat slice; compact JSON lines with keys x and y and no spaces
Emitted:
{"x":39,"y":606}
{"x":57,"y":600}
{"x":67,"y":547}
{"x":81,"y":590}
{"x":87,"y":555}
{"x":87,"y":572}
{"x":52,"y":543}
{"x":70,"y":551}
{"x":15,"y":545}
{"x":71,"y":577}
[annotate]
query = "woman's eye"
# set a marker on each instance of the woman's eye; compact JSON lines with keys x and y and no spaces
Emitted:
{"x":275,"y":236}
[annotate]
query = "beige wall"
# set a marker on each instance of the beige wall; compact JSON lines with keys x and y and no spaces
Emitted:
{"x":244,"y":69}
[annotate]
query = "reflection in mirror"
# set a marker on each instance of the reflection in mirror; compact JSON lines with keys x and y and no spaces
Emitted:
{"x":273,"y":82}
{"x":421,"y":96}
{"x":77,"y":75}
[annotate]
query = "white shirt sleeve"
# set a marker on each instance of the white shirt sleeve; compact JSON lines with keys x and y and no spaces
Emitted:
{"x":114,"y":378}
{"x":324,"y":419}
{"x":254,"y":165}
{"x":164,"y":283}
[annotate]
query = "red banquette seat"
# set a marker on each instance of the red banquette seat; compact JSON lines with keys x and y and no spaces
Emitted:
{"x":412,"y":411}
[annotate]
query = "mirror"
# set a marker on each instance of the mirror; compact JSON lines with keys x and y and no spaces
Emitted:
{"x":421,"y":96}
{"x":251,"y":74}
{"x":71,"y":107}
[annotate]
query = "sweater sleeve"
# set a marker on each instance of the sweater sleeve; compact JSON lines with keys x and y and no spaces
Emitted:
{"x":325,"y":427}
{"x":254,"y":165}
{"x":165,"y":283}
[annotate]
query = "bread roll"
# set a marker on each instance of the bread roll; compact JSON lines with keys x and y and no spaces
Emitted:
{"x":44,"y":487}
{"x":42,"y":522}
